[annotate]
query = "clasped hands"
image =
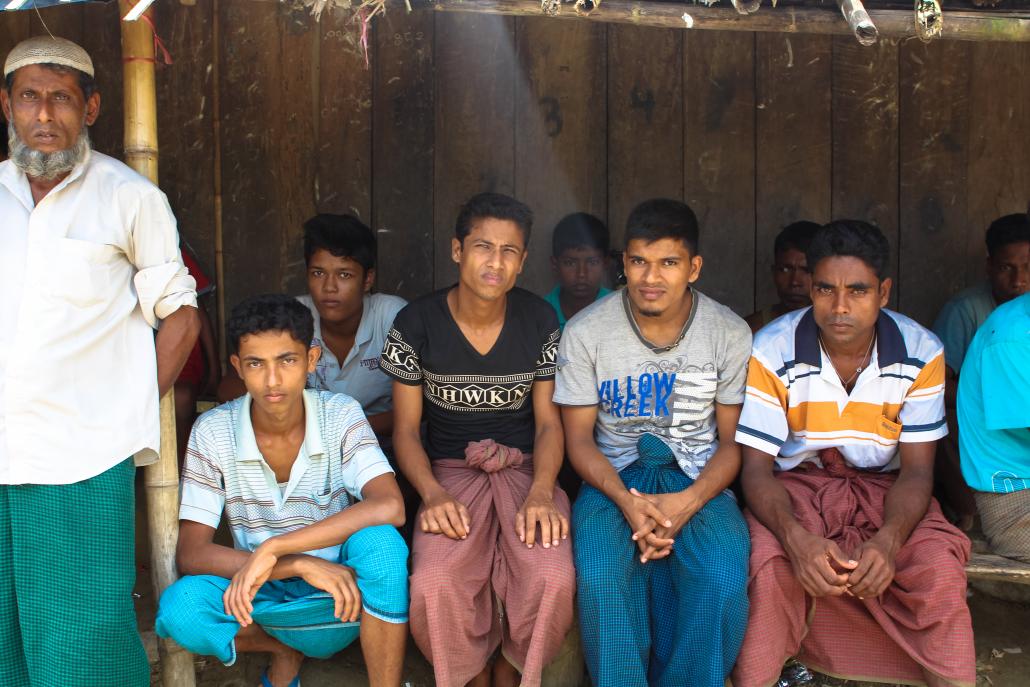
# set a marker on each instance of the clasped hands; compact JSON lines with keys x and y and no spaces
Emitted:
{"x":338,"y":580}
{"x":656,"y":520}
{"x":824,"y":570}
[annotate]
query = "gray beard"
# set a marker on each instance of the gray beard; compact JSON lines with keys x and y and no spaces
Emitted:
{"x":47,"y":166}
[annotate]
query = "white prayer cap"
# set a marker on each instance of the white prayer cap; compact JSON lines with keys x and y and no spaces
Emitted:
{"x":47,"y":50}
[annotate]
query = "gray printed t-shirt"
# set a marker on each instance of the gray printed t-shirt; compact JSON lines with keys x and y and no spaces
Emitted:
{"x":671,"y":393}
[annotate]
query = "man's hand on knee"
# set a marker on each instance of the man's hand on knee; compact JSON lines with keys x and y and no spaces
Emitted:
{"x":539,"y":508}
{"x":443,"y":514}
{"x":338,"y":580}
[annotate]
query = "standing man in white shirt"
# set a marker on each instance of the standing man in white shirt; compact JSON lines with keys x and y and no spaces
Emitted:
{"x":89,"y":268}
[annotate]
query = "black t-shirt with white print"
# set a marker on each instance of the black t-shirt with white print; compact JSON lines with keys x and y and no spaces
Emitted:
{"x":469,"y":396}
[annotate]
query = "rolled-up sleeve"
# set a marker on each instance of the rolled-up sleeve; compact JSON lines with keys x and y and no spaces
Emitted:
{"x":163,"y":284}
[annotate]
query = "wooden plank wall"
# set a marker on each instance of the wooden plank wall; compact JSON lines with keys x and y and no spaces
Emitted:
{"x":753,"y":130}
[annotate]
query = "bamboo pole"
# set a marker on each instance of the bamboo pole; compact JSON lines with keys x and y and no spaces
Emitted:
{"x":216,"y":124}
{"x":857,"y":17}
{"x":162,"y":478}
{"x":1009,"y":26}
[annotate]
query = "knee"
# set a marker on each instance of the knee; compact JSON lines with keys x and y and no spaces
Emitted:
{"x":383,"y":555}
{"x":726,"y":586}
{"x":558,"y":576}
{"x":184,"y":604}
{"x":600,"y":578}
{"x":431,"y":577}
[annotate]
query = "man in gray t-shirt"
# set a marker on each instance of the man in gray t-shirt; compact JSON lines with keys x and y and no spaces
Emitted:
{"x":649,"y":379}
{"x":667,"y":391}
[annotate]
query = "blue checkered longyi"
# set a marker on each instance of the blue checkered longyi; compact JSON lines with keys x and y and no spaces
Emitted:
{"x":667,"y":623}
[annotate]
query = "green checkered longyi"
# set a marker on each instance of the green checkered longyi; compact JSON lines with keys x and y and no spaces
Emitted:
{"x":67,"y":567}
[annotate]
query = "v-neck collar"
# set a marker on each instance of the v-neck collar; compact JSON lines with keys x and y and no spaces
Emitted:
{"x":464,"y":339}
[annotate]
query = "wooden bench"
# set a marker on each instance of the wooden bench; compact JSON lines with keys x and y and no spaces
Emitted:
{"x":984,"y":565}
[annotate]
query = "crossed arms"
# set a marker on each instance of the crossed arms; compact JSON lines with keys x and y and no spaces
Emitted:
{"x":282,"y":557}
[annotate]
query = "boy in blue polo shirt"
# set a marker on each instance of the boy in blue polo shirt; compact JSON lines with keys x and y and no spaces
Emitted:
{"x":994,"y":419}
{"x":312,"y":504}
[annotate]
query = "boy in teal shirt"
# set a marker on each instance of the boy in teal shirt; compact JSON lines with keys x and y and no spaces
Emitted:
{"x":579,"y":258}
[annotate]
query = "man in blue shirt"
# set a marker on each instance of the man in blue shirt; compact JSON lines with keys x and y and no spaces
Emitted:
{"x":994,"y":423}
{"x":1008,"y":276}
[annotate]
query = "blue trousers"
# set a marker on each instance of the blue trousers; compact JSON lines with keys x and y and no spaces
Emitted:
{"x":673,"y":622}
{"x":300,"y":616}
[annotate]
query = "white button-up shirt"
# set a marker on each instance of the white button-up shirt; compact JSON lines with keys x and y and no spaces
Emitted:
{"x":85,"y":277}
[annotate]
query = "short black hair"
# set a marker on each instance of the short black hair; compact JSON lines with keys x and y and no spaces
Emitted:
{"x":344,"y":236}
{"x":662,"y":218}
{"x":1014,"y":228}
{"x":87,"y":83}
{"x":495,"y":206}
{"x":579,"y":230}
{"x":270,"y":312}
{"x":850,"y":238}
{"x":796,"y":235}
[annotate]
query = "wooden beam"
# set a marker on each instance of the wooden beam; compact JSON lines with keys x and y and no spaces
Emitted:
{"x":968,"y":26}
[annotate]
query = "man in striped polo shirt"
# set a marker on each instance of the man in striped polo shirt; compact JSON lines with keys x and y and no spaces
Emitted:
{"x":854,"y":569}
{"x":312,"y":505}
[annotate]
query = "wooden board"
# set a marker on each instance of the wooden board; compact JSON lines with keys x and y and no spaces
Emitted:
{"x":475,"y":113}
{"x":933,"y":135}
{"x":403,"y":152}
{"x":344,"y":156}
{"x":14,"y":28}
{"x":645,"y":120}
{"x":865,"y":138}
{"x":560,"y":132}
{"x":101,"y":38}
{"x":267,"y":91}
{"x":793,"y":150}
{"x":987,"y":566}
{"x":185,"y":125}
{"x":999,"y":142}
{"x":719,"y":158}
{"x":63,"y":22}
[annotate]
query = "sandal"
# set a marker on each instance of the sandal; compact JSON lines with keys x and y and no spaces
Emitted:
{"x":265,"y":682}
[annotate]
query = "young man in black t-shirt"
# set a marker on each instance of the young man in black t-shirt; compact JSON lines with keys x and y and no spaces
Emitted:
{"x":476,"y":361}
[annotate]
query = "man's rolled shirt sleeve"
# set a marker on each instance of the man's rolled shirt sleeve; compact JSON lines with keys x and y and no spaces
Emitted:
{"x":922,"y":412}
{"x":1005,"y":381}
{"x":203,"y":485}
{"x":163,"y":283}
{"x":576,"y":381}
{"x":763,"y":419}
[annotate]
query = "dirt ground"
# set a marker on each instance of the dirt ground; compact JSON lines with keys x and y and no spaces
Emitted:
{"x":1002,"y":647}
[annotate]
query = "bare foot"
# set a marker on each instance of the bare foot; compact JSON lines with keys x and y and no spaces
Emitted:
{"x":505,"y":674}
{"x":284,"y":666}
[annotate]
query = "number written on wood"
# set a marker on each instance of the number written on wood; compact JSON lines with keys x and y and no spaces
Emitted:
{"x":552,"y":115}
